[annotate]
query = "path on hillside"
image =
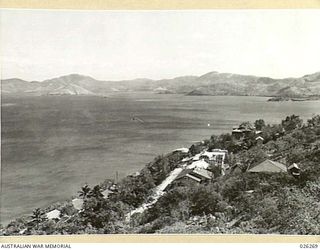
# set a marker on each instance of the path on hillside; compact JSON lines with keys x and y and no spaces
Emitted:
{"x":157,"y":193}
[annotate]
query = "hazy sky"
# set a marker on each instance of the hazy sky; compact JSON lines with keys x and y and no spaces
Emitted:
{"x":114,"y":45}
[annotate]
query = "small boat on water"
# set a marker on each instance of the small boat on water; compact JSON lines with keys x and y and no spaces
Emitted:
{"x":137,"y":119}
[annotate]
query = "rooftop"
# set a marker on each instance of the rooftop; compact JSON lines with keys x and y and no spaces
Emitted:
{"x":269,"y":166}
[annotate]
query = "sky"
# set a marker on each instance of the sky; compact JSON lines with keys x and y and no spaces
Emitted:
{"x":118,"y":45}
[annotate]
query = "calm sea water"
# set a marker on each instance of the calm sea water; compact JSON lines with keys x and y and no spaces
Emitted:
{"x":52,"y":145}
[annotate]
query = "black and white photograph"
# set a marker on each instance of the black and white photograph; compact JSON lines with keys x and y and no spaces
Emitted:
{"x":160,"y":122}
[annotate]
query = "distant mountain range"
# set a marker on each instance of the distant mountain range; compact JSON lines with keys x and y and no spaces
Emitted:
{"x":212,"y":83}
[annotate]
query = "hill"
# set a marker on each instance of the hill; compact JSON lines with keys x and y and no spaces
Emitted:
{"x":158,"y":199}
{"x":212,"y":83}
{"x":73,"y":84}
{"x":215,"y":83}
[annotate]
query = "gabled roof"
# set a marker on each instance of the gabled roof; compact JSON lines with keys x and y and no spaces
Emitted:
{"x":197,"y":174}
{"x":202,"y":172}
{"x":194,"y":177}
{"x":294,"y":165}
{"x":198,"y":164}
{"x":260,"y":138}
{"x":269,"y":166}
{"x":183,"y":173}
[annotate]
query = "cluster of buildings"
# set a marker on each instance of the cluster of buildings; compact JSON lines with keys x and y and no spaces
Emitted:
{"x":246,"y":130}
{"x":204,"y":166}
{"x":208,"y":165}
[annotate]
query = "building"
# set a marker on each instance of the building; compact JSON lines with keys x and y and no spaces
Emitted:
{"x":294,"y":170}
{"x":237,"y":168}
{"x":242,"y":131}
{"x":268,"y":166}
{"x":237,"y":133}
{"x":53,"y":215}
{"x":259,"y":140}
{"x":215,"y":156}
{"x":204,"y":166}
{"x":77,"y":203}
{"x":198,"y":175}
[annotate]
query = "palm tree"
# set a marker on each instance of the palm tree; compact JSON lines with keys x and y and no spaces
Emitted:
{"x":96,"y":192}
{"x":84,"y":192}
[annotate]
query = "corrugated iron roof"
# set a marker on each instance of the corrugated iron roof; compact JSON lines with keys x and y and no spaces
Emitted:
{"x":202,"y":172}
{"x":269,"y":166}
{"x":194,"y":177}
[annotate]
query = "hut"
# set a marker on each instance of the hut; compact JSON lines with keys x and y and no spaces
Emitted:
{"x":294,"y":170}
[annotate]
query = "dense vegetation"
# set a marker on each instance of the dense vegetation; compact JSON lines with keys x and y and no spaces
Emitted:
{"x":238,"y":202}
